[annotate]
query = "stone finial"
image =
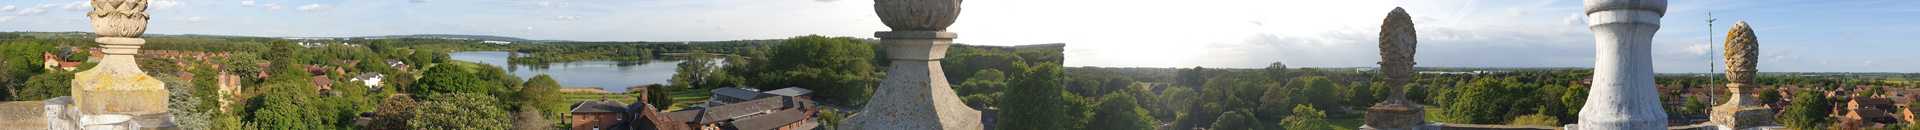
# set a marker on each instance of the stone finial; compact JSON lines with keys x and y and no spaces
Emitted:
{"x":1623,"y":95}
{"x":917,"y":15}
{"x":1396,"y":62}
{"x":1397,"y":42}
{"x":1742,"y":51}
{"x":119,"y":18}
{"x":1741,"y":111}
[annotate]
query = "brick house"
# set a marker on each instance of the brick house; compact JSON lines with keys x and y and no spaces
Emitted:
{"x":597,"y":114}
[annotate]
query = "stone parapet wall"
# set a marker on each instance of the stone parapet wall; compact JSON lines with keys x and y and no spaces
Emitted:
{"x":23,"y":115}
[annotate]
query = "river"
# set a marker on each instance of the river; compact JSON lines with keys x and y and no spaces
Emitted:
{"x":613,"y":76}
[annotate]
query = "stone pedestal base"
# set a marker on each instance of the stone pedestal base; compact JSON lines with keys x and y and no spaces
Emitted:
{"x":915,"y":94}
{"x":1396,"y":115}
{"x":1737,"y":117}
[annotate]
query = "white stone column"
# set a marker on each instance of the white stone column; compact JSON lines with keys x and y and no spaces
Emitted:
{"x":915,"y":94}
{"x":1623,"y":96}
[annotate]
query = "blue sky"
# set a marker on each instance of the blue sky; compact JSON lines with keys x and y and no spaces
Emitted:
{"x":1795,"y":35}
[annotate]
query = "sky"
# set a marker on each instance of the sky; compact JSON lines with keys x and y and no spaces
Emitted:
{"x":1794,"y":35}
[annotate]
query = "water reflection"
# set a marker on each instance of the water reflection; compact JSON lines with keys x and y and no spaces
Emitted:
{"x":612,"y":76}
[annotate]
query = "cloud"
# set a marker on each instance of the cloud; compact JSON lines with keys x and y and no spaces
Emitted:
{"x":1779,"y":55}
{"x":825,"y":0}
{"x":1698,"y":49}
{"x":420,"y":1}
{"x":1574,"y":20}
{"x":75,"y":6}
{"x":315,"y":8}
{"x":273,"y":7}
{"x":1516,"y":11}
{"x":564,"y":5}
{"x":566,"y":17}
{"x":544,"y":4}
{"x":196,"y":19}
{"x":8,"y":8}
{"x":32,"y":11}
{"x":246,"y":3}
{"x":165,"y":5}
{"x":1868,"y":63}
{"x":5,"y":18}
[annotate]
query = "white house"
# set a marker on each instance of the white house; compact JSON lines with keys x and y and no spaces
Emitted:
{"x":497,"y":42}
{"x":371,"y":79}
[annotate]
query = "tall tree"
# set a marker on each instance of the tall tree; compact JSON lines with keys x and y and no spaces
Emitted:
{"x":1118,"y":111}
{"x":449,"y":78}
{"x":837,"y":68}
{"x":540,"y":92}
{"x":1306,"y":118}
{"x":1033,"y":99}
{"x":46,"y":86}
{"x":1808,"y":111}
{"x":1237,"y":120}
{"x":694,"y":72}
{"x":1770,"y":95}
{"x":658,"y":96}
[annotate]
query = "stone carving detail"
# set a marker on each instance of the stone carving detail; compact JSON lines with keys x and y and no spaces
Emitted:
{"x":1396,"y":62}
{"x":1397,"y":41}
{"x":1741,"y":111}
{"x":1742,"y":50}
{"x":1623,"y":95}
{"x":917,"y":15}
{"x":119,"y":18}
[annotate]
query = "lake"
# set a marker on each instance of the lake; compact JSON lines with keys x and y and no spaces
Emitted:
{"x":613,"y":76}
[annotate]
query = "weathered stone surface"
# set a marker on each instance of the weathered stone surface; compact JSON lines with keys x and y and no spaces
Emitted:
{"x":1397,"y":42}
{"x":917,"y":15}
{"x":116,"y":94}
{"x":1742,"y":53}
{"x":1741,"y":111}
{"x":60,"y":114}
{"x":23,"y":115}
{"x":1623,"y":95}
{"x":914,"y":96}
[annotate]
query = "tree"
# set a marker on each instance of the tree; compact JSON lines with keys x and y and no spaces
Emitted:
{"x":1238,"y":120}
{"x":1033,"y":99}
{"x":1808,"y":111}
{"x":1306,"y":118}
{"x":182,"y":104}
{"x":1361,"y":95}
{"x":694,"y":72}
{"x":529,"y":118}
{"x":659,"y":97}
{"x":243,"y":64}
{"x":459,"y":111}
{"x":837,"y":68}
{"x":394,"y":113}
{"x":1475,"y":104}
{"x":1768,"y":96}
{"x":289,"y":108}
{"x":1695,"y":106}
{"x":1276,"y":103}
{"x":46,"y":86}
{"x":1118,"y":111}
{"x":449,"y":79}
{"x":977,"y":100}
{"x":1575,"y":98}
{"x":539,"y":92}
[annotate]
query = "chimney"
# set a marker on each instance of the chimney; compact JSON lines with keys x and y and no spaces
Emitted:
{"x":603,"y":97}
{"x":643,"y":96}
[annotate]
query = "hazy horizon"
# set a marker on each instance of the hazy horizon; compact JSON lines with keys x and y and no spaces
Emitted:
{"x":1795,"y":36}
